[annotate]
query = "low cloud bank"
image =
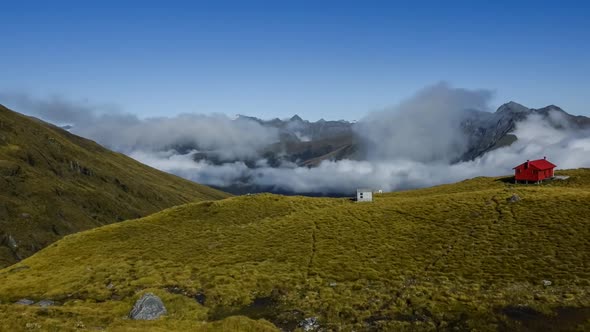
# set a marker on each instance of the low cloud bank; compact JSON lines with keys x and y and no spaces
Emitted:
{"x":536,"y":138}
{"x":410,"y":145}
{"x":424,"y":128}
{"x":216,"y":133}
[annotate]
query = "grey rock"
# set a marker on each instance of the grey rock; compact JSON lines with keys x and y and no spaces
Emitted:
{"x":148,"y":307}
{"x":200,"y":298}
{"x":25,"y":302}
{"x":546,"y":283}
{"x":11,"y":242}
{"x":333,"y":284}
{"x":46,"y":303}
{"x":514,"y":198}
{"x":32,"y":326}
{"x":309,"y":324}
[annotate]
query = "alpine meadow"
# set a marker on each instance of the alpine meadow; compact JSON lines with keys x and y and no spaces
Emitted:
{"x":464,"y":256}
{"x":295,"y":166}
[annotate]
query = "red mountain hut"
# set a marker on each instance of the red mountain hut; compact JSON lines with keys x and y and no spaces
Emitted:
{"x":534,"y":170}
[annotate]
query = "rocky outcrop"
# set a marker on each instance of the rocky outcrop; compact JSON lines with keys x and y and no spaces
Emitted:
{"x":148,"y":307}
{"x":11,"y":242}
{"x":309,"y":324}
{"x":45,"y":303}
{"x":513,"y":199}
{"x":25,"y":302}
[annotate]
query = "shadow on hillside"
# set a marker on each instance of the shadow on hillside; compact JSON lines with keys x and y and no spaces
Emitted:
{"x":268,"y":308}
{"x":529,"y":319}
{"x":506,"y":179}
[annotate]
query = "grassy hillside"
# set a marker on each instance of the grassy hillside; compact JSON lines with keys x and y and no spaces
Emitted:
{"x":53,"y":183}
{"x":448,"y":258}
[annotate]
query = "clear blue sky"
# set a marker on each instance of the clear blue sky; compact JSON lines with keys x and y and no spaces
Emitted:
{"x":331,"y":59}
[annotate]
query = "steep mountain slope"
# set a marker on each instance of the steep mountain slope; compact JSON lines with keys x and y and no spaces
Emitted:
{"x":487,"y":131}
{"x":454,"y":257}
{"x":53,"y":183}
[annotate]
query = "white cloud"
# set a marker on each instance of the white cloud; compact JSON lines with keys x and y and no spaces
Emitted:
{"x":567,"y":148}
{"x":409,"y":146}
{"x":227,"y":139}
{"x":425,"y":127}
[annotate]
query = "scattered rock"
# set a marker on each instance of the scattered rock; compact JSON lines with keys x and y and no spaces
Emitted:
{"x":561,"y":177}
{"x":110,"y":285}
{"x":514,"y":198}
{"x":32,"y":326}
{"x":148,"y":307}
{"x":200,"y":298}
{"x":309,"y":324}
{"x":333,"y":284}
{"x":25,"y":302}
{"x":546,"y":283}
{"x":25,"y":215}
{"x":12,"y":244}
{"x":46,"y":303}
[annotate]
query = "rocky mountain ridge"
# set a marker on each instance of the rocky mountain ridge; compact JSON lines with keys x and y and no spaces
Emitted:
{"x":308,"y":143}
{"x":488,"y":131}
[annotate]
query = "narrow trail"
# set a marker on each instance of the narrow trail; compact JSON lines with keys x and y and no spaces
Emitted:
{"x":471,"y":232}
{"x":512,"y":213}
{"x":406,"y":214}
{"x":450,"y":248}
{"x":498,"y":209}
{"x":501,"y":214}
{"x":350,"y":213}
{"x":313,"y":249}
{"x":424,"y":275}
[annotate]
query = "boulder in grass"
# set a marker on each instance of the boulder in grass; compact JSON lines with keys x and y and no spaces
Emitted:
{"x":309,"y":324}
{"x":45,"y":303}
{"x":514,"y":198}
{"x":25,"y":302}
{"x":148,"y":307}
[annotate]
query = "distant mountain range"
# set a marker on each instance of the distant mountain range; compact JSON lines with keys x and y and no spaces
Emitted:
{"x":305,"y":143}
{"x":308,"y":143}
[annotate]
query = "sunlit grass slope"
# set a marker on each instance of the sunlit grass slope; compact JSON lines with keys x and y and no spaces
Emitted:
{"x":53,"y":183}
{"x":452,"y":257}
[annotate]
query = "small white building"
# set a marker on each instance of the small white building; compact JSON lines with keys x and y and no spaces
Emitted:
{"x":364,"y":195}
